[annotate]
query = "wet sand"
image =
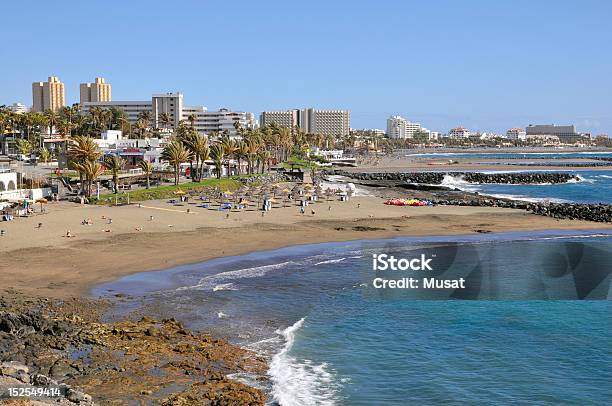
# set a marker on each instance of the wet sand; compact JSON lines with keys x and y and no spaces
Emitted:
{"x":43,"y":262}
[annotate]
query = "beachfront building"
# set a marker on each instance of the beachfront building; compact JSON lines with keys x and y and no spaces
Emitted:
{"x":459,"y":132}
{"x":18,"y":108}
{"x":171,"y":105}
{"x":310,"y":120}
{"x":48,"y":95}
{"x":98,"y":91}
{"x":400,"y":128}
{"x":516,"y":134}
{"x":224,"y":119}
{"x":565,"y":133}
{"x":285,"y":119}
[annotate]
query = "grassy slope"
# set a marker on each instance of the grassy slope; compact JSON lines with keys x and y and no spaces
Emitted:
{"x":166,"y":192}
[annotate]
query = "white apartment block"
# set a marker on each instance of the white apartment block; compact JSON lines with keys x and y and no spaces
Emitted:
{"x":218,"y":121}
{"x":459,"y":132}
{"x":18,"y":108}
{"x":313,"y":121}
{"x":399,"y":127}
{"x":172,"y":103}
{"x":516,"y":134}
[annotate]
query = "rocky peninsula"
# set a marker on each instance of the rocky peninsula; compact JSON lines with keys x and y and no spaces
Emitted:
{"x":55,"y":342}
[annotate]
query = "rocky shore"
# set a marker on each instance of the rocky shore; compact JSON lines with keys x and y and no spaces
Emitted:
{"x":427,"y":185}
{"x":436,"y":178}
{"x":148,"y":361}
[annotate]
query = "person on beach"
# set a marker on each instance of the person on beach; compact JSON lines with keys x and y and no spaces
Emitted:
{"x":69,"y":234}
{"x":312,"y":211}
{"x":302,"y":211}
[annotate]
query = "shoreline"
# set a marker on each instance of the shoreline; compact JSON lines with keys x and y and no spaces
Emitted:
{"x":44,"y":263}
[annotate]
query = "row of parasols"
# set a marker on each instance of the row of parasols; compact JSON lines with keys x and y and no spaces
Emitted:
{"x":247,"y":196}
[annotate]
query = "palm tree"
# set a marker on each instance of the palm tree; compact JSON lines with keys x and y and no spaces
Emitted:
{"x":52,"y":118}
{"x":147,"y":169}
{"x":217,"y":155}
{"x":114,"y":163}
{"x":241,"y":151}
{"x":264,"y":157}
{"x":165,"y":119}
{"x":82,"y":150}
{"x":23,"y":146}
{"x":198,"y":146}
{"x":175,"y":153}
{"x":229,"y":147}
{"x":145,"y":117}
{"x":91,"y":170}
{"x":44,"y":154}
{"x":253,"y":150}
{"x":192,"y":119}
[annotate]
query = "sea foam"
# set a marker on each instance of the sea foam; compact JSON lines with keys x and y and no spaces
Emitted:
{"x":300,"y":382}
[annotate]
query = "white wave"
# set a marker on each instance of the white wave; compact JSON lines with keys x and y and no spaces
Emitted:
{"x":300,"y":382}
{"x":222,"y":315}
{"x":212,"y":281}
{"x":527,"y":199}
{"x":331,"y":261}
{"x":457,"y":182}
{"x":581,"y":179}
{"x":604,"y":176}
{"x":224,"y":286}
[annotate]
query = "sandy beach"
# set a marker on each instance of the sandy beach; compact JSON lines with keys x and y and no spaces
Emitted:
{"x":43,"y":262}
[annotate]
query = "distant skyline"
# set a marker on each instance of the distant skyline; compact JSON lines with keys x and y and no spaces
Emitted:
{"x":484,"y":65}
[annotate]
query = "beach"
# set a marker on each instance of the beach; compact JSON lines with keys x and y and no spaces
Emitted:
{"x":43,"y":262}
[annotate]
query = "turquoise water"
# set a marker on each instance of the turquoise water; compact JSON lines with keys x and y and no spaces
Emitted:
{"x":330,"y":341}
{"x":593,"y":187}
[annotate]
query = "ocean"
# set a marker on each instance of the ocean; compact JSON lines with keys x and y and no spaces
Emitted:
{"x":592,"y":187}
{"x":331,"y":339}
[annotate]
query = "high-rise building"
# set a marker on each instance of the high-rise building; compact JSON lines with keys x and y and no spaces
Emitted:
{"x":168,"y":103}
{"x":172,"y":103}
{"x":326,"y":122}
{"x":48,"y":95}
{"x":314,"y":121}
{"x":286,"y":119}
{"x":399,"y":127}
{"x":99,"y":91}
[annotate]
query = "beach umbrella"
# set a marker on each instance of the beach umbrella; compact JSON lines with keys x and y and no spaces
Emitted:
{"x":42,"y":201}
{"x":179,"y":192}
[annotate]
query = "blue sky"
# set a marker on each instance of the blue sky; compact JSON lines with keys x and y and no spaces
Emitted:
{"x":487,"y":65}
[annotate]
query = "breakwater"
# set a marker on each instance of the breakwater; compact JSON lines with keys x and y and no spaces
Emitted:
{"x":601,"y":213}
{"x":436,"y":178}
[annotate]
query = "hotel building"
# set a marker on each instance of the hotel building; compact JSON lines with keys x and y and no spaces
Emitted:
{"x":18,"y":108}
{"x":99,"y":91}
{"x":48,"y":95}
{"x":172,"y":103}
{"x":516,"y":134}
{"x":313,"y":121}
{"x":459,"y":132}
{"x":399,"y":127}
{"x":565,"y":133}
